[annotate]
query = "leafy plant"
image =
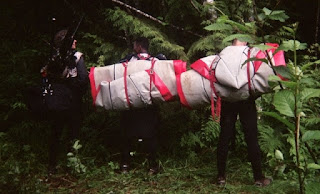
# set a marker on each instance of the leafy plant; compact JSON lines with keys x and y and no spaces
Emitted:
{"x":74,"y":161}
{"x":292,"y":101}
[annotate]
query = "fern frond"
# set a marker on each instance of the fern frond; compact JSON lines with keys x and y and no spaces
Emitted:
{"x":269,"y":140}
{"x":134,"y":27}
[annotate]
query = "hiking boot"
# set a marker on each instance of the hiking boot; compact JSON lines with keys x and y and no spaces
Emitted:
{"x":263,"y":182}
{"x":221,"y":181}
{"x":124,"y":168}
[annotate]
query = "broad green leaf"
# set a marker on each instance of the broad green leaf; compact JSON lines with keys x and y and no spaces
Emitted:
{"x":218,"y":27}
{"x":283,"y":71}
{"x":222,"y":18}
{"x":254,"y":59}
{"x":278,"y":15}
{"x":266,"y":11}
{"x":241,"y":37}
{"x":313,"y":166}
{"x":292,"y":45}
{"x":70,"y":154}
{"x":263,"y":47}
{"x":284,"y":102}
{"x":261,"y":16}
{"x":289,"y":84}
{"x":76,"y":145}
{"x":311,"y":135}
{"x":288,"y":29}
{"x":281,"y":119}
{"x":240,"y":27}
{"x":274,"y":78}
{"x":308,"y":93}
{"x":275,"y":15}
{"x":278,"y":154}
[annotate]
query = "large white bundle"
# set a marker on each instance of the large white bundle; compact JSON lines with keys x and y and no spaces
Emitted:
{"x":232,"y":78}
{"x":134,"y":89}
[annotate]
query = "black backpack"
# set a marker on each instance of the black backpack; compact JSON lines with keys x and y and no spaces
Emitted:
{"x":49,"y":97}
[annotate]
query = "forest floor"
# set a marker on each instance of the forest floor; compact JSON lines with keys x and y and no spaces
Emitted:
{"x":174,"y":177}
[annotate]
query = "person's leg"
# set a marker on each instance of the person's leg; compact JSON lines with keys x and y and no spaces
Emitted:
{"x":248,"y":118}
{"x":126,"y":140}
{"x":227,"y":123}
{"x":57,"y":124}
{"x":126,"y":143}
{"x":74,"y":124}
{"x":150,"y":145}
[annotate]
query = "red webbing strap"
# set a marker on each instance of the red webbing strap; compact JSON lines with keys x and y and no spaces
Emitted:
{"x":179,"y":68}
{"x":248,"y":73}
{"x":125,"y":65}
{"x":160,"y":85}
{"x":202,"y":68}
{"x":151,"y":74}
{"x":94,"y":89}
{"x":218,"y":105}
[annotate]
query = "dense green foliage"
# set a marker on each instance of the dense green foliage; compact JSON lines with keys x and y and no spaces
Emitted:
{"x":289,"y":118}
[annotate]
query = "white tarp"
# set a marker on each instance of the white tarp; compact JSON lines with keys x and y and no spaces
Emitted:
{"x":116,"y":88}
{"x":230,"y":78}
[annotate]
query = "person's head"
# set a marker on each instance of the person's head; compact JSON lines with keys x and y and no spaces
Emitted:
{"x":141,"y":45}
{"x":237,"y":42}
{"x":59,"y":37}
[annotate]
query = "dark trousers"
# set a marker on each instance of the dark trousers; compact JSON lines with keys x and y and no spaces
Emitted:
{"x":140,"y":124}
{"x":248,"y":118}
{"x":59,"y":120}
{"x":149,"y":146}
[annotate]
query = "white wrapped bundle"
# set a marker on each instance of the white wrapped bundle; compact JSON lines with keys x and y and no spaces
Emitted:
{"x":134,"y":90}
{"x":230,"y":74}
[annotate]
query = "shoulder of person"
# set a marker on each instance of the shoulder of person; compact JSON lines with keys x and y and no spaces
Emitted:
{"x":127,"y":58}
{"x":78,"y":56}
{"x":161,"y":56}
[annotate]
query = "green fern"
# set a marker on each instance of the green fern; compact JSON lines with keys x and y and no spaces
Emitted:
{"x":134,"y":27}
{"x":269,"y":140}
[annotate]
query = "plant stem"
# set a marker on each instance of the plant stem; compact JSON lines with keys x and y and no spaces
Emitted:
{"x":297,"y":136}
{"x":297,"y":120}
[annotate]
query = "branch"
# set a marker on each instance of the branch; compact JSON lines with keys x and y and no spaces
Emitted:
{"x":194,"y":6}
{"x":153,"y":18}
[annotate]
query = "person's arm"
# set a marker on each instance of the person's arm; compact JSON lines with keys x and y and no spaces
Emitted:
{"x":82,"y":72}
{"x":80,"y":82}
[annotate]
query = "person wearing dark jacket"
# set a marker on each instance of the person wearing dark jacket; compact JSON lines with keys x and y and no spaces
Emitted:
{"x":69,"y":83}
{"x":140,"y":124}
{"x":247,"y":112}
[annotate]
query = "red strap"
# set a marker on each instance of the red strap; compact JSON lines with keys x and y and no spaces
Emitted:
{"x":94,"y":89}
{"x":151,"y":74}
{"x":218,"y":105}
{"x":179,"y":68}
{"x":202,"y":68}
{"x":125,"y":65}
{"x":160,"y":85}
{"x":248,"y":72}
